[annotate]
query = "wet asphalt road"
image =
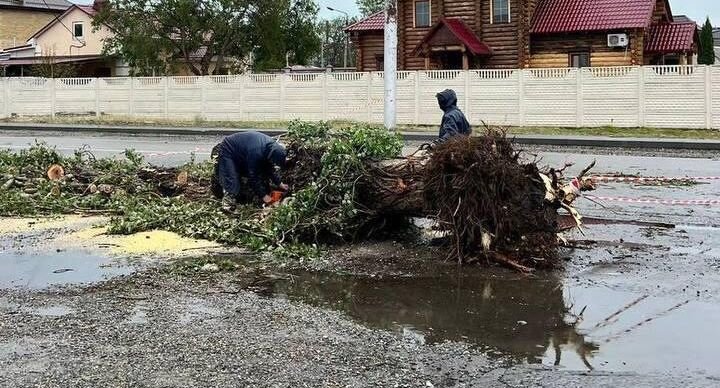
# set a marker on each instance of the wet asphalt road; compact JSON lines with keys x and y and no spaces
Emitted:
{"x":665,"y":282}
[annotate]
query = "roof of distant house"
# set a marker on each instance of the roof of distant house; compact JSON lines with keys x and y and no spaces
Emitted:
{"x":682,"y":19}
{"x":88,"y":9}
{"x":716,"y":36}
{"x":461,"y":31}
{"x":40,"y":5}
{"x":671,"y":37}
{"x":374,"y":22}
{"x":558,"y":16}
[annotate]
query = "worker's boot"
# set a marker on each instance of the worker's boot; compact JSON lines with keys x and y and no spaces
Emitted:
{"x":228,"y":203}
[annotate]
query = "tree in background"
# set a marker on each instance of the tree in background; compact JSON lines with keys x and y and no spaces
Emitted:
{"x":369,"y":7}
{"x":333,"y":36}
{"x":284,"y":33}
{"x":301,"y":33}
{"x":155,"y":36}
{"x":707,"y":46}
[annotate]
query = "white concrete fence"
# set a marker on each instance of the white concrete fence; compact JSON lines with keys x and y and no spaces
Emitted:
{"x":651,"y":96}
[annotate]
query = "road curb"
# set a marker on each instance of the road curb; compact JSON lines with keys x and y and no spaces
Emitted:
{"x":546,"y":140}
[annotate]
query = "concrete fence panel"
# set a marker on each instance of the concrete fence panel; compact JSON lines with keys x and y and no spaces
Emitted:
{"x":223,"y":98}
{"x":263,"y":93}
{"x":303,"y":96}
{"x":184,"y":97}
{"x":115,"y":97}
{"x":713,"y":97}
{"x":75,"y":96}
{"x":348,"y":96}
{"x":675,"y":96}
{"x":610,"y":96}
{"x":147,"y":97}
{"x":494,"y":96}
{"x":30,"y":96}
{"x":654,"y":96}
{"x":550,"y":97}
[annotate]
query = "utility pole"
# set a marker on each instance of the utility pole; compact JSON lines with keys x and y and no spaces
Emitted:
{"x":347,"y":20}
{"x":390,"y":63}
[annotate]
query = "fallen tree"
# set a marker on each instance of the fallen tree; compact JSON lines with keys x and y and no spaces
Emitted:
{"x":347,"y":185}
{"x":493,"y":206}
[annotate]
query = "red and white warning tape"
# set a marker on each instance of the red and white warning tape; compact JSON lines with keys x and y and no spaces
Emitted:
{"x":653,"y":201}
{"x":620,"y":179}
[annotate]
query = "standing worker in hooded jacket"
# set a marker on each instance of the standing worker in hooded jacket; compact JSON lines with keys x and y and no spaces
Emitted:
{"x":250,"y":155}
{"x":453,"y":121}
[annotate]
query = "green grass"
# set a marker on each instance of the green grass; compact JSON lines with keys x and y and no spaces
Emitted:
{"x":621,"y":132}
{"x":199,"y":123}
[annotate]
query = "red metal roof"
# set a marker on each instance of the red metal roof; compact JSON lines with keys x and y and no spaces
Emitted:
{"x":670,"y":38}
{"x":462,"y":32}
{"x":557,"y":16}
{"x":374,"y":22}
{"x":467,"y":36}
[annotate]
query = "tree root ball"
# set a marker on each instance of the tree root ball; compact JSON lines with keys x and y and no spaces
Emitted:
{"x":478,"y":190}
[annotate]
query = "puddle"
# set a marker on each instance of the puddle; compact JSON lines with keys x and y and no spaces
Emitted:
{"x":139,"y":315}
{"x":198,"y":310}
{"x":38,"y":270}
{"x":530,"y":320}
{"x":53,"y":311}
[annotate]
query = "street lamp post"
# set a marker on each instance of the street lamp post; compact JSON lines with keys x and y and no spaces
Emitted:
{"x":347,"y":19}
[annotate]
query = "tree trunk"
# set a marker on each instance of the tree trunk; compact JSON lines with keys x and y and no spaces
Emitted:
{"x":394,"y":186}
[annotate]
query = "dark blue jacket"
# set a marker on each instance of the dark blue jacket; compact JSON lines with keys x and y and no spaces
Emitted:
{"x":453,"y":121}
{"x":255,"y":155}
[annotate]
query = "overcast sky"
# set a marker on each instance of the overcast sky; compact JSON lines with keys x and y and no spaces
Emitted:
{"x":697,"y":10}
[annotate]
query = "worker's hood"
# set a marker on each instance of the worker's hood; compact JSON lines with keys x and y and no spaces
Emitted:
{"x":277,"y":154}
{"x":447,"y":99}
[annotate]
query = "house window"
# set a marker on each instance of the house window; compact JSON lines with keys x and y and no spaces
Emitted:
{"x":500,"y":11}
{"x":422,"y":13}
{"x":78,"y":31}
{"x":581,"y":59}
{"x":379,"y":63}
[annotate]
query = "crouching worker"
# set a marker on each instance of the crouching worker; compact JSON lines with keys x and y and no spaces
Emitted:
{"x":250,"y":158}
{"x":453,"y":121}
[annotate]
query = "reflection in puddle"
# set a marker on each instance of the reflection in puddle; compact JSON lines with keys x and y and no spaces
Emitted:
{"x":517,"y":316}
{"x":529,"y":320}
{"x":38,"y":270}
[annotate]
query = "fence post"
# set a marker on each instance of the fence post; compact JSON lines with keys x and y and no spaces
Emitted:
{"x":708,"y":97}
{"x":53,"y":84}
{"x":641,"y":96}
{"x":521,"y":97}
{"x":579,"y":108}
{"x":241,"y":110}
{"x":282,"y":96}
{"x":466,"y":106}
{"x":324,"y":95}
{"x":203,"y":97}
{"x":97,"y":97}
{"x":166,"y":97}
{"x":417,"y":97}
{"x":369,"y":86}
{"x":131,"y":98}
{"x":6,"y":97}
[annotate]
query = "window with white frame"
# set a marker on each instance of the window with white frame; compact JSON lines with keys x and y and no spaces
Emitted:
{"x":500,"y":11}
{"x":422,"y":13}
{"x":78,"y":31}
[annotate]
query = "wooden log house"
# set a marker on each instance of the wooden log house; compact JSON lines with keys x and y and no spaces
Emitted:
{"x":506,"y":34}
